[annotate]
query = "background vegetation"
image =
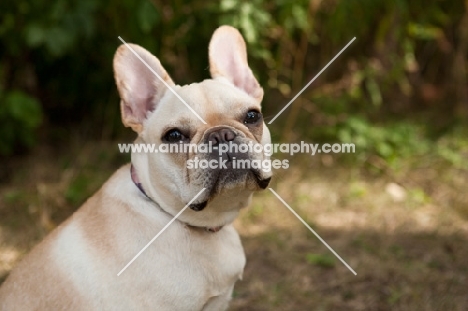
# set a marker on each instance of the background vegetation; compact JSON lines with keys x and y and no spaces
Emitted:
{"x":399,"y":93}
{"x":55,"y":62}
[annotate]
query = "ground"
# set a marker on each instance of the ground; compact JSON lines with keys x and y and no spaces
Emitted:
{"x":405,"y":233}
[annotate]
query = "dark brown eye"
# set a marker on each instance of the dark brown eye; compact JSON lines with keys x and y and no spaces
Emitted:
{"x":252,"y":117}
{"x":174,"y":136}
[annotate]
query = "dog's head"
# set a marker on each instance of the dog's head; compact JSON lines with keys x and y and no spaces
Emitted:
{"x":223,"y":110}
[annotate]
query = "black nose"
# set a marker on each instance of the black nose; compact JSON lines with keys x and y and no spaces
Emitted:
{"x":198,"y":206}
{"x":220,"y":136}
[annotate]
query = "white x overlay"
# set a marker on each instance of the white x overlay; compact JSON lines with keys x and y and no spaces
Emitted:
{"x":162,"y":230}
{"x":313,"y":231}
{"x":162,"y":80}
{"x":313,"y":79}
{"x":201,"y":119}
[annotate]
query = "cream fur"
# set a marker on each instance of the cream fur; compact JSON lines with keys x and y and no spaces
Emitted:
{"x":186,"y":268}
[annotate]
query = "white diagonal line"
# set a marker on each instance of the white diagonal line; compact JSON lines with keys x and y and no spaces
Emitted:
{"x":312,"y":230}
{"x":310,"y":82}
{"x":162,"y":230}
{"x":162,"y":80}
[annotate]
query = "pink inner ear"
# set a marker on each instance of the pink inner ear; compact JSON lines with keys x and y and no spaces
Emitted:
{"x":137,"y":103}
{"x":250,"y":84}
{"x":232,"y":67}
{"x":228,"y":58}
{"x":144,"y":94}
{"x":237,"y":76}
{"x":140,"y":89}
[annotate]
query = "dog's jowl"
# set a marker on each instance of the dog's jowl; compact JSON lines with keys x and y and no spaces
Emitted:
{"x":195,"y":262}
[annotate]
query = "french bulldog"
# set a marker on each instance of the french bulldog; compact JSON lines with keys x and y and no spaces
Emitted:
{"x":195,"y":262}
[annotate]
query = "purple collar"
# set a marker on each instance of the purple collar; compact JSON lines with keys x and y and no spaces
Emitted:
{"x":136,"y":181}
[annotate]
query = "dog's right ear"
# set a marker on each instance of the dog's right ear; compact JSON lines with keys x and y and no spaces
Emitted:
{"x":228,"y":59}
{"x":139,"y":88}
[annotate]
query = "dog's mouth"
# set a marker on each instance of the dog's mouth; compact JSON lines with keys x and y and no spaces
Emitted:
{"x":262,"y":183}
{"x":216,"y":188}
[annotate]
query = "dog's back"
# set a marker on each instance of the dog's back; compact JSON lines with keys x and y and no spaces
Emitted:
{"x":76,"y":266}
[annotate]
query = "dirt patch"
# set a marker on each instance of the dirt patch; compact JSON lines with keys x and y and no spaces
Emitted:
{"x":405,"y":237}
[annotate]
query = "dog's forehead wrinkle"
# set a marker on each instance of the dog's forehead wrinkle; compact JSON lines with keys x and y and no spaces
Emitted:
{"x":209,"y":97}
{"x":224,"y":101}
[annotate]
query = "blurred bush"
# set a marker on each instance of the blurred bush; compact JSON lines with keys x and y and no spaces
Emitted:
{"x":55,"y":61}
{"x":20,"y":115}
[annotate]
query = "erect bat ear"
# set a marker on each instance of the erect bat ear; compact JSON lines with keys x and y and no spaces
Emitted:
{"x":139,"y":88}
{"x":228,"y":59}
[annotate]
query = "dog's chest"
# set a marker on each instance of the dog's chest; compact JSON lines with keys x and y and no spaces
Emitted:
{"x":183,"y":274}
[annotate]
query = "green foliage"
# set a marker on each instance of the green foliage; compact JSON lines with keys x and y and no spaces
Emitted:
{"x":57,"y":57}
{"x":453,"y":147}
{"x":147,"y":16}
{"x":60,"y":54}
{"x":390,"y":142}
{"x":78,"y":190}
{"x":324,"y":261}
{"x":61,"y":27}
{"x":20,"y":115}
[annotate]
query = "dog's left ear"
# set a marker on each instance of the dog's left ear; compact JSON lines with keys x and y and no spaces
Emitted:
{"x":228,"y":59}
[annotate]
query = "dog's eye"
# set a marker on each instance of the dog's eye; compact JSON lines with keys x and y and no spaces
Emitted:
{"x":252,"y":117}
{"x":173,"y":136}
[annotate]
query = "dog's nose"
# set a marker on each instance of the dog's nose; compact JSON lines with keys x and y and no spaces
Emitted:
{"x":221,"y":136}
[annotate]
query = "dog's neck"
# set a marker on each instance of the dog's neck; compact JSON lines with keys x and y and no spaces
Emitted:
{"x":137,"y":183}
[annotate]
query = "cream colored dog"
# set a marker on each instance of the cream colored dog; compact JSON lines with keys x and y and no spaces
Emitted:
{"x":195,"y":262}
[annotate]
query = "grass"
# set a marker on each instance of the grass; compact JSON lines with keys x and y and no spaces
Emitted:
{"x":409,"y":251}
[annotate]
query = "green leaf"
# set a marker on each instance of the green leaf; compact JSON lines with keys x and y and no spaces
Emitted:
{"x":59,"y":40}
{"x":24,"y":108}
{"x":374,"y":91}
{"x":78,"y":189}
{"x":20,"y":114}
{"x":35,"y":35}
{"x":424,"y":32}
{"x":246,"y":22}
{"x":227,"y":5}
{"x":324,"y":261}
{"x":300,"y":16}
{"x":147,"y":16}
{"x":384,"y":149}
